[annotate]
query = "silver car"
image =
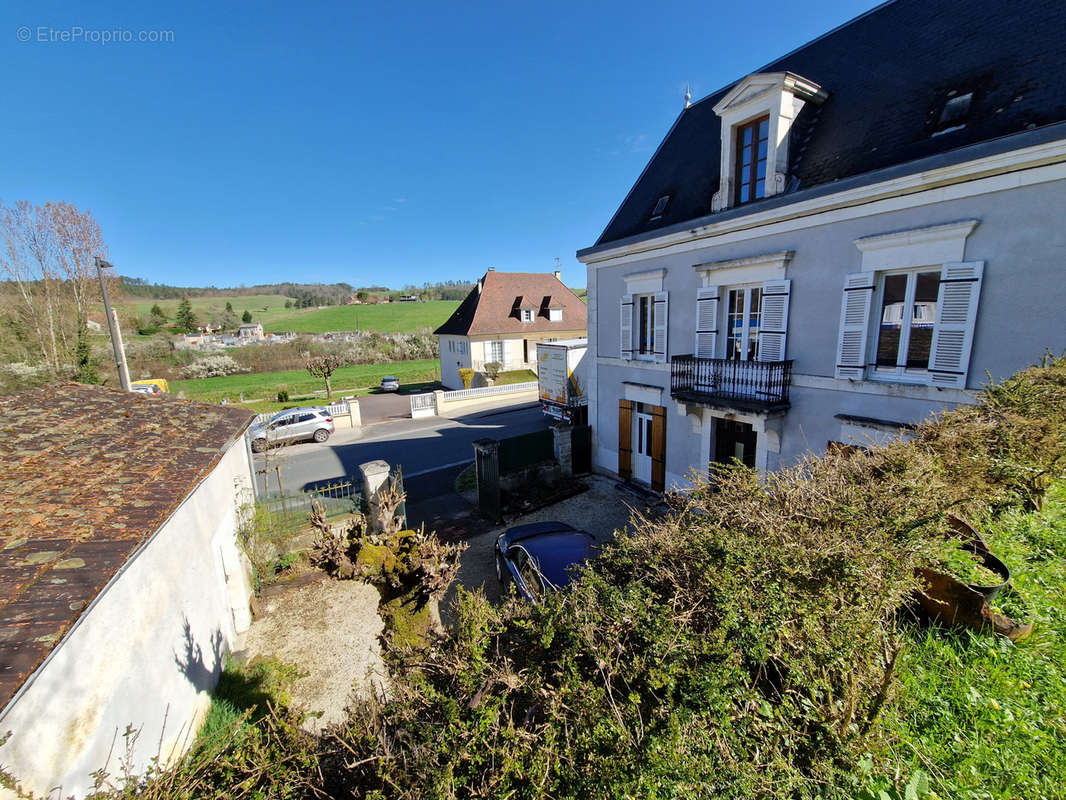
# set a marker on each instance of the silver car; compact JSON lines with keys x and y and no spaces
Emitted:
{"x":292,"y":425}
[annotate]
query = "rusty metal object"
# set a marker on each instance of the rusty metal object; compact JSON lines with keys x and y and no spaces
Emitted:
{"x":956,"y":604}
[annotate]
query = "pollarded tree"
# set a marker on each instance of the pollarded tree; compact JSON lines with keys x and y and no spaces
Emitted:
{"x":323,"y":367}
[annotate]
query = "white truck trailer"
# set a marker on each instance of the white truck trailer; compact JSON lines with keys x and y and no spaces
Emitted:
{"x":561,"y":375}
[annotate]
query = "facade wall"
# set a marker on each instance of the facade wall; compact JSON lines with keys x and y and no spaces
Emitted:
{"x":146,"y":653}
{"x":456,"y":352}
{"x":1019,"y":318}
{"x":517,"y":348}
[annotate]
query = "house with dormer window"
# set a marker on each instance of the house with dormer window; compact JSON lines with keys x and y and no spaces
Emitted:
{"x":503,"y":318}
{"x":837,"y":245}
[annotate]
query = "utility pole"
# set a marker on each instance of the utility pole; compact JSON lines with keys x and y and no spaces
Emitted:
{"x":112,"y":325}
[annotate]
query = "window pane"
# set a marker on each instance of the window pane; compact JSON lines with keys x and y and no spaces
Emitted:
{"x":923,"y":316}
{"x":745,"y":155}
{"x":760,"y":171}
{"x":764,"y":129}
{"x":895,"y":291}
{"x":762,"y":148}
{"x":746,"y":136}
{"x":760,"y":188}
{"x":745,"y":193}
{"x":643,"y":334}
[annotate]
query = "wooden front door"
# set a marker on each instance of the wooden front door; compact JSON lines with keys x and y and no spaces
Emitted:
{"x":734,"y":439}
{"x":642,"y":443}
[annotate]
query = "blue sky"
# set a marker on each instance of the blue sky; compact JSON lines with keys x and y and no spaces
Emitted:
{"x":372,"y":143}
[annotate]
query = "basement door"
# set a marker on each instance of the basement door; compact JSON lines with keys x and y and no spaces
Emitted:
{"x":734,"y":439}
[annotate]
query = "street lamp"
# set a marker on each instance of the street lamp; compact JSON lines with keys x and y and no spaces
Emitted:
{"x":112,"y":325}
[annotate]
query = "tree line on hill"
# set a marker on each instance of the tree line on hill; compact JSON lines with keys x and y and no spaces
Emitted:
{"x":302,"y":295}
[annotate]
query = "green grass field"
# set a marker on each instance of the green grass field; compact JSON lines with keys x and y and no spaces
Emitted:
{"x":383,"y":318}
{"x":981,"y":717}
{"x":264,"y":386}
{"x":203,"y":306}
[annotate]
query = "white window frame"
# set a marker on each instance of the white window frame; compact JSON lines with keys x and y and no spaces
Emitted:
{"x":648,"y":283}
{"x":899,"y":373}
{"x":527,"y":315}
{"x":648,"y":301}
{"x":937,"y":247}
{"x":727,"y":310}
{"x":490,"y":347}
{"x":555,"y":315}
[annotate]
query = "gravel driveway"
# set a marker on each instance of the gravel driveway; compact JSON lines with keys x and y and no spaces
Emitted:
{"x":601,"y":511}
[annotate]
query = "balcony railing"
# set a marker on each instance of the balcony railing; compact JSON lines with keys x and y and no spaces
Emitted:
{"x":748,"y":385}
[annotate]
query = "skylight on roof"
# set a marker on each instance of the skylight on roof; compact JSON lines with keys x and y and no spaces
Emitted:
{"x":660,"y":206}
{"x":954,"y":113}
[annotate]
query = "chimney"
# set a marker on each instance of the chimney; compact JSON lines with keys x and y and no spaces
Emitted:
{"x":558,"y":276}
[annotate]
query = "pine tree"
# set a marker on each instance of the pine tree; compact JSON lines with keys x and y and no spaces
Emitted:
{"x":246,"y":317}
{"x":229,"y":306}
{"x":84,"y":367}
{"x":185,"y":318}
{"x":157,"y":313}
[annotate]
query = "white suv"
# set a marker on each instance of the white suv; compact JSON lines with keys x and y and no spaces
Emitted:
{"x":292,"y":425}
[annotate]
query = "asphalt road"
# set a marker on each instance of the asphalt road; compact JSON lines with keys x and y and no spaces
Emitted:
{"x":431,"y":451}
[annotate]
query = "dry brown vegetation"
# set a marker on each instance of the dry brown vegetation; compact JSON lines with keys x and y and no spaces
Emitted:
{"x":743,"y":647}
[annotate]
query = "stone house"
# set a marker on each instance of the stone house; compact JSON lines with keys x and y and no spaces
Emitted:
{"x":122,"y":585}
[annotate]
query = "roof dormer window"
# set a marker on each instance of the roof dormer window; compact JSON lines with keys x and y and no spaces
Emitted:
{"x":527,"y":315}
{"x":756,"y":117}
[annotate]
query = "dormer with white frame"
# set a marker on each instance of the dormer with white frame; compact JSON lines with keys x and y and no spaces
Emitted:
{"x":757,"y":116}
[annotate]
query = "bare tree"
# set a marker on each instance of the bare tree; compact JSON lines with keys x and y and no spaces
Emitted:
{"x":46,"y":252}
{"x":323,"y":367}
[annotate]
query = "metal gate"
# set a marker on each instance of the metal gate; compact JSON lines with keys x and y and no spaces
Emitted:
{"x":581,"y":449}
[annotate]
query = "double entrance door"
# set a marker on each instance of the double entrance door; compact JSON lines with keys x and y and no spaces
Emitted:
{"x":642,"y":443}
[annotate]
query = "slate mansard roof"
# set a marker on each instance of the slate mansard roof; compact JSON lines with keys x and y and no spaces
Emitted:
{"x":87,"y":475}
{"x":888,"y":74}
{"x":492,"y":306}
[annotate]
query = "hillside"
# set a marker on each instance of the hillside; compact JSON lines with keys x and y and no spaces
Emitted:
{"x":383,"y":318}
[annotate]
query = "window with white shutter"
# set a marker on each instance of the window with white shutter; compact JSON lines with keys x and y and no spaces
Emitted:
{"x":773,"y":334}
{"x":660,"y":325}
{"x":707,"y":322}
{"x":854,"y":324}
{"x":956,"y":316}
{"x":626,"y":327}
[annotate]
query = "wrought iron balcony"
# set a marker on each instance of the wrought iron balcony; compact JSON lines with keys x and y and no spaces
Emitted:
{"x":745,"y":385}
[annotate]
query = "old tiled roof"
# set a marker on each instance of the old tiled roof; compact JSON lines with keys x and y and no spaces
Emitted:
{"x":87,"y":475}
{"x":888,"y":74}
{"x":492,"y":306}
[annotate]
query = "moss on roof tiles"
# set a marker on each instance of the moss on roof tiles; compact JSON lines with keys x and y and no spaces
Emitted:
{"x":86,"y":475}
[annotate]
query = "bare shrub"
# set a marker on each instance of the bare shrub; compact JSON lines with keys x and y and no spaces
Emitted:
{"x":212,"y":367}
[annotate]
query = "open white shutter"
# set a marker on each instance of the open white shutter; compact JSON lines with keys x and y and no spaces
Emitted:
{"x":854,"y":325}
{"x":956,"y":314}
{"x":707,"y":322}
{"x":773,"y":333}
{"x":626,"y":327}
{"x":662,"y":320}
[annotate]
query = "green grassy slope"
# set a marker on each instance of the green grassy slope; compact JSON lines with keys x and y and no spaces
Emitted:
{"x":981,"y":717}
{"x":383,"y":318}
{"x":203,"y":306}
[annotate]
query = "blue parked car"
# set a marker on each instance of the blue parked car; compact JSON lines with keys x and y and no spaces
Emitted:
{"x":537,"y":557}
